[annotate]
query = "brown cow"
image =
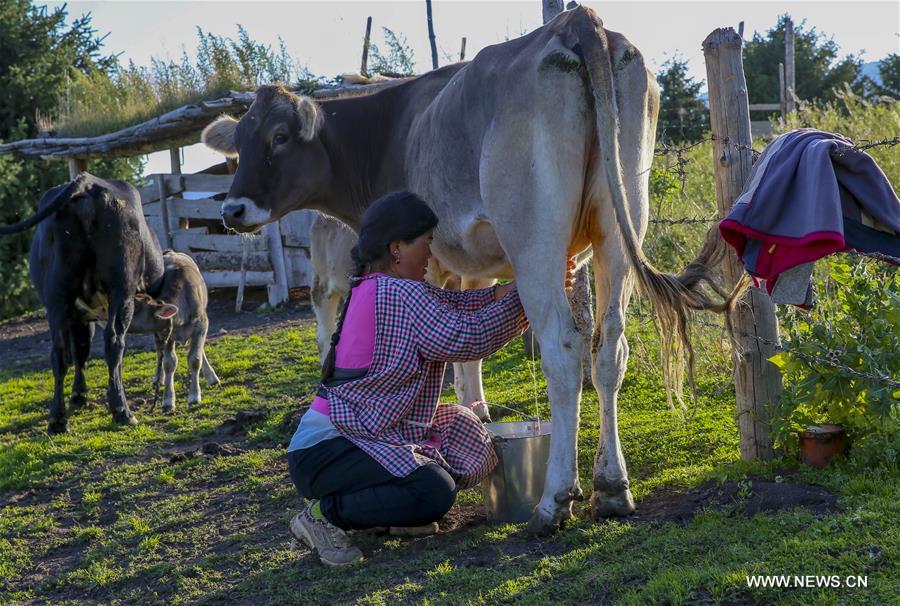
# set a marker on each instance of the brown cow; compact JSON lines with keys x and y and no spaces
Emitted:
{"x":537,"y":150}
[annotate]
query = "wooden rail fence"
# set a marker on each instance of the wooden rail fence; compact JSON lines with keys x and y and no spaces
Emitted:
{"x":278,"y":258}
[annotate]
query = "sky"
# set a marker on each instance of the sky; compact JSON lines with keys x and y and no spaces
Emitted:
{"x":326,"y":36}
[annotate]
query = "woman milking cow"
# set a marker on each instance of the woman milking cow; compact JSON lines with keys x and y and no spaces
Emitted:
{"x":375,"y":448}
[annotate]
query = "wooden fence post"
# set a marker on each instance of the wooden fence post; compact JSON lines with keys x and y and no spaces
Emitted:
{"x":175,"y":163}
{"x":757,"y":381}
{"x":790,"y":85}
{"x":431,"y":40}
{"x":164,"y":211}
{"x":278,"y":292}
{"x":76,"y":165}
{"x":364,"y":68}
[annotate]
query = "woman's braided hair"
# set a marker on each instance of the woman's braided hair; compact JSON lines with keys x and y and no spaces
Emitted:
{"x":400,"y":215}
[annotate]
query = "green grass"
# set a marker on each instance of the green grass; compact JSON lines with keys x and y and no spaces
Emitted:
{"x":101,"y":515}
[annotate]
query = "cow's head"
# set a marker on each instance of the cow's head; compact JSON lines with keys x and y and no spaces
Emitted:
{"x":283,"y":164}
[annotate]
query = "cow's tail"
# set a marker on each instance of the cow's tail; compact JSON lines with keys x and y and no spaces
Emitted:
{"x":61,"y":198}
{"x":673,"y":297}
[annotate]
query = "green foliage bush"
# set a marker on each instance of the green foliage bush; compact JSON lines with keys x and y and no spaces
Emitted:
{"x":99,"y":101}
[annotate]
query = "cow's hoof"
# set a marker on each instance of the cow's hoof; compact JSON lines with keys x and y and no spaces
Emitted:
{"x":609,"y":505}
{"x":481,"y":411}
{"x":192,"y":404}
{"x":544,"y":524}
{"x":57,"y":426}
{"x":168,"y":409}
{"x":123,"y":416}
{"x":78,"y":400}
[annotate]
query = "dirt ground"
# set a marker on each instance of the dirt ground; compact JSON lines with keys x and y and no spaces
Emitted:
{"x":25,"y":341}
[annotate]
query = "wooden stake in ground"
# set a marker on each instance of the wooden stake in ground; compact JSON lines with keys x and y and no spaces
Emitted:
{"x":790,"y":86}
{"x":364,"y":68}
{"x":431,"y":40}
{"x":757,"y":381}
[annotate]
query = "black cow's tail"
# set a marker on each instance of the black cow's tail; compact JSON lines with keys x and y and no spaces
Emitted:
{"x":673,"y":296}
{"x":61,"y":198}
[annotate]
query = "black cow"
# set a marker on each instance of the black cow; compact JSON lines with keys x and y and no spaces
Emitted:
{"x":93,"y":250}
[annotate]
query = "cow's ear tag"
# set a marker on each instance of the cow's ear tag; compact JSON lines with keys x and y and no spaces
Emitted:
{"x":167,"y":311}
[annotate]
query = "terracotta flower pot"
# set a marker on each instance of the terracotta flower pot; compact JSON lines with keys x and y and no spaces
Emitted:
{"x":820,"y":443}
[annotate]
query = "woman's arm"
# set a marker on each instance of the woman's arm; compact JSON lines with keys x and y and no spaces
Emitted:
{"x":447,"y":335}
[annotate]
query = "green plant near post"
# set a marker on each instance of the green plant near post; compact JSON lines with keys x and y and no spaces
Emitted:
{"x":840,"y":360}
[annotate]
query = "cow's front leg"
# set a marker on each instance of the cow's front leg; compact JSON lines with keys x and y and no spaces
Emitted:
{"x":561,"y":345}
{"x":82,"y":335}
{"x":170,"y":362}
{"x":611,"y":496}
{"x":121,"y":310}
{"x":195,"y":361}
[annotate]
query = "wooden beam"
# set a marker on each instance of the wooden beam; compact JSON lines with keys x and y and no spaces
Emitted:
{"x":230,"y":279}
{"x":757,"y":381}
{"x":217,"y":243}
{"x":179,"y":127}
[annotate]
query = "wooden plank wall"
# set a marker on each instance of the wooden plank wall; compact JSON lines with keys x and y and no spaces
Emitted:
{"x":219,"y":255}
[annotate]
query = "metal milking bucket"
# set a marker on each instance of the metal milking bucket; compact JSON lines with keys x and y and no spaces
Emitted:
{"x":514,"y":487}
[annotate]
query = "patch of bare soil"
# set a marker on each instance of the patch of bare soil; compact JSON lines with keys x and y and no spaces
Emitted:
{"x":25,"y":341}
{"x":748,"y":497}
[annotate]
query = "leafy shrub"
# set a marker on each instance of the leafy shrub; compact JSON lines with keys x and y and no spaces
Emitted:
{"x":855,"y":325}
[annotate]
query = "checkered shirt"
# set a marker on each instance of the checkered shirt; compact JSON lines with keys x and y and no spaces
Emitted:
{"x":391,"y":412}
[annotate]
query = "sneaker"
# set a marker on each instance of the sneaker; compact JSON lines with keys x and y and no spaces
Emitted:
{"x":414,"y":531}
{"x":329,"y":541}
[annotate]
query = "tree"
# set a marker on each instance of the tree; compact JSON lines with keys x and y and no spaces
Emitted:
{"x":399,"y":59}
{"x":38,"y":55}
{"x":889,"y":70}
{"x":816,"y":67}
{"x":682,"y":114}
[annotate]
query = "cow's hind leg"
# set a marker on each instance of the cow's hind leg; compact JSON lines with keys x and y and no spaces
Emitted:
{"x":325,"y":303}
{"x":82,"y":335}
{"x":611,"y":496}
{"x":121,"y":310}
{"x":59,"y":363}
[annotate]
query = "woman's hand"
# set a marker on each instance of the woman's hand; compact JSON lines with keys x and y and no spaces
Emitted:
{"x":570,"y":274}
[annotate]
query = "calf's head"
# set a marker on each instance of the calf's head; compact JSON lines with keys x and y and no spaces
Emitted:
{"x":283,"y":164}
{"x":152,"y":315}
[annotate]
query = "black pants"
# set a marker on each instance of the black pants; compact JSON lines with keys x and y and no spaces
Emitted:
{"x":355,"y":491}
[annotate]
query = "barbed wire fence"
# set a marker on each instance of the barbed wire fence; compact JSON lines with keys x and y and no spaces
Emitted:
{"x":678,"y":167}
